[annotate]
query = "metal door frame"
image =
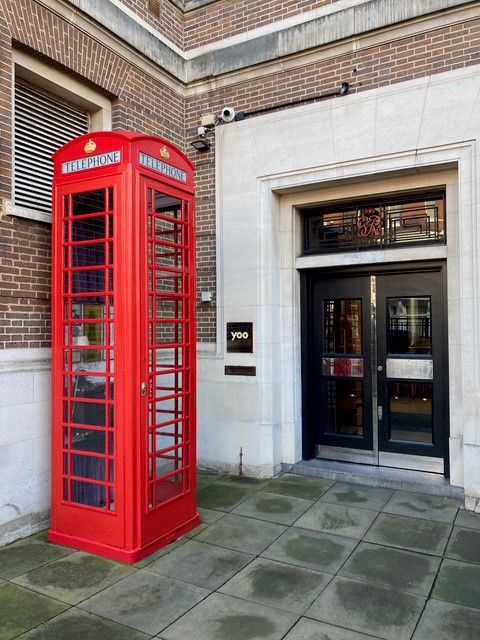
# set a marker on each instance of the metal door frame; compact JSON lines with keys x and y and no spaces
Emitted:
{"x":373,"y":457}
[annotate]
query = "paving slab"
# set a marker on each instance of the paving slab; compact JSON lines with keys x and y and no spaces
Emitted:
{"x":273,"y":508}
{"x":209,"y":515}
{"x":458,"y":583}
{"x":80,"y":625}
{"x":222,"y":617}
{"x":467,"y":519}
{"x":205,"y":477}
{"x":245,"y":481}
{"x":242,"y":534}
{"x":356,"y":495}
{"x":311,"y":549}
{"x":201,"y":564}
{"x":28,"y":554}
{"x":420,"y":505}
{"x":405,"y":532}
{"x":444,"y":621}
{"x":394,"y":568}
{"x":306,"y":629}
{"x":369,"y":609}
{"x":278,"y":585}
{"x":22,"y":610}
{"x":464,"y":544}
{"x":337,"y":519}
{"x":194,"y":532}
{"x":223,"y":496}
{"x":75,"y":577}
{"x":160,"y":553}
{"x":298,"y":486}
{"x":145,"y":601}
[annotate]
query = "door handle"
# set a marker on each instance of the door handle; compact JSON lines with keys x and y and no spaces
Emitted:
{"x":143,"y":388}
{"x":379,"y":368}
{"x":380,"y":412}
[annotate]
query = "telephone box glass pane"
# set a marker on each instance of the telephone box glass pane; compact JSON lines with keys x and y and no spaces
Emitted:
{"x":88,"y":440}
{"x":89,"y":351}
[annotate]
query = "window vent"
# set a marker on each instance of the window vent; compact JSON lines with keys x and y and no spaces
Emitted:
{"x":43,"y":123}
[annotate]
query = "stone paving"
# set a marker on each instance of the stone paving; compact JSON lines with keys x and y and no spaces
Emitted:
{"x":294,"y":558}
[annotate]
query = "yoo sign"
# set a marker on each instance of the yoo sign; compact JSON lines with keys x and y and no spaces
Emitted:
{"x":239,"y":337}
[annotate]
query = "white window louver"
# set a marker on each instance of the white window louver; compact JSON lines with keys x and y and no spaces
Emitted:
{"x":43,"y":123}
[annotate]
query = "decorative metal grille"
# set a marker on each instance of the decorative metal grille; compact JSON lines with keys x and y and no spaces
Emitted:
{"x":375,"y":225}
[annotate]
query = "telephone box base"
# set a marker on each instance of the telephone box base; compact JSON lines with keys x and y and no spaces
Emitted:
{"x":122,"y":555}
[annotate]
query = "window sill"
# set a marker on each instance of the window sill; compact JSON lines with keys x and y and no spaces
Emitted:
{"x":22,"y":212}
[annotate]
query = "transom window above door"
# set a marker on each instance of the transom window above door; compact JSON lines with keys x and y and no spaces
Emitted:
{"x":375,"y":223}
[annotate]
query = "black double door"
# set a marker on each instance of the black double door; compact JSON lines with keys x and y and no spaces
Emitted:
{"x":375,"y":375}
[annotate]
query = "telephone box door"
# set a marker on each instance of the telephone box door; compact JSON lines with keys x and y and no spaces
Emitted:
{"x":168,"y":344}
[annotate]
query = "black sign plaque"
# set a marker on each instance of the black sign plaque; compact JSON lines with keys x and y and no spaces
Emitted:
{"x":239,"y":337}
{"x":236,"y":370}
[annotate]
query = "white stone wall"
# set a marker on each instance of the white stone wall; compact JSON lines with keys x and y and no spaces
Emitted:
{"x":421,"y":132}
{"x":24,"y":442}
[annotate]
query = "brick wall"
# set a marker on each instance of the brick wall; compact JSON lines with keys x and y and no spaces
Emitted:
{"x":142,"y":103}
{"x":25,"y":283}
{"x":219,"y":20}
{"x":139,"y":103}
{"x":206,"y":243}
{"x":365,"y":67}
{"x":162,"y":15}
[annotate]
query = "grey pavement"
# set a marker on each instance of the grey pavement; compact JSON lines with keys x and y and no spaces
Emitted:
{"x":293,"y":558}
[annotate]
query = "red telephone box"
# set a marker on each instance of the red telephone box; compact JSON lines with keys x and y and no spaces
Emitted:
{"x":123,"y":345}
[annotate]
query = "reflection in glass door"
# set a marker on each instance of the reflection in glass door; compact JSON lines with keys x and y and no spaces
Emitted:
{"x":344,"y":396}
{"x":375,"y":369}
{"x":410,"y":404}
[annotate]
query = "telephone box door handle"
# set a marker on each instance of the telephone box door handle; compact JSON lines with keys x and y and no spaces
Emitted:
{"x":143,"y":388}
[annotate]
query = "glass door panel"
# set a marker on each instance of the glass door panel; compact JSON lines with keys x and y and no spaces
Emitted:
{"x":375,"y":367}
{"x":342,"y":360}
{"x":409,"y":333}
{"x":412,"y":364}
{"x":344,"y":401}
{"x":411,"y":411}
{"x":343,"y":335}
{"x":409,"y":325}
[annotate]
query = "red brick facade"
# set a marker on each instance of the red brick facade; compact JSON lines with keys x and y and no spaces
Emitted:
{"x":143,"y":102}
{"x":223,"y":19}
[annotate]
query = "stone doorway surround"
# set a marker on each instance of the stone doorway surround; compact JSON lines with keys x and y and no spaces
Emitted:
{"x":411,"y":135}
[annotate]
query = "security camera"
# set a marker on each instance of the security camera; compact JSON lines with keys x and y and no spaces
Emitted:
{"x":228,"y":114}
